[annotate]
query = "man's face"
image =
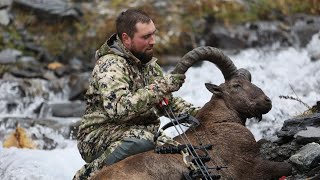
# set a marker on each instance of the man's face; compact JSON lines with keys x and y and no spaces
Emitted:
{"x":141,"y":45}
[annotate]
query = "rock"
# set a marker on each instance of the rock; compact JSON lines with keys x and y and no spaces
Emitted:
{"x":42,"y":54}
{"x":314,"y":172}
{"x":5,"y":3}
{"x":224,"y":38}
{"x":74,"y":127}
{"x":313,"y":48}
{"x":305,"y":27}
{"x":292,"y":31}
{"x":293,"y":126}
{"x":274,"y":152}
{"x":306,"y":156}
{"x":48,"y":8}
{"x":71,"y":109}
{"x":256,"y":34}
{"x":9,"y":56}
{"x":28,"y":72}
{"x":76,"y":64}
{"x":297,"y":143}
{"x":311,"y":134}
{"x":78,"y":85}
{"x":49,"y":75}
{"x":4,"y":17}
{"x":27,"y":60}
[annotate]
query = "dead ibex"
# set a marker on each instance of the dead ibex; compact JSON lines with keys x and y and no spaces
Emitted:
{"x":222,"y":122}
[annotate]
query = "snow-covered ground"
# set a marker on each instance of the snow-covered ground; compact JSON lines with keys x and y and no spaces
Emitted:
{"x":277,"y":71}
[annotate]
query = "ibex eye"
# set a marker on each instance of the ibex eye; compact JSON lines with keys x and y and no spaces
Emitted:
{"x":236,"y":85}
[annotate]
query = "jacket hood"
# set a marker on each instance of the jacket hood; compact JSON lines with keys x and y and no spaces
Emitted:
{"x":114,"y":46}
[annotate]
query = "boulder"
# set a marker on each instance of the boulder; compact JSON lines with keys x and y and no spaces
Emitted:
{"x":307,"y":157}
{"x":9,"y":55}
{"x":50,"y":9}
{"x":4,"y":17}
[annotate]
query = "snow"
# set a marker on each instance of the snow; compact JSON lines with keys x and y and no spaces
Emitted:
{"x":277,"y":71}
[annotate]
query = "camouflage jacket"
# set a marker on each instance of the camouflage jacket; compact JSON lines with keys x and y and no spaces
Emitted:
{"x":120,"y":97}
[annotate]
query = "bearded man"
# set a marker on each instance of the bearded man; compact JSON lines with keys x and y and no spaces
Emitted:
{"x":126,"y":86}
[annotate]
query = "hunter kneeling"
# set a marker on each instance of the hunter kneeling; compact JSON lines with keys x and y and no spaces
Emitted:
{"x":125,"y":89}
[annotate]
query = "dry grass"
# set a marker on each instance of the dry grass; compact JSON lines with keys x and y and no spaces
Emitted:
{"x":19,"y":139}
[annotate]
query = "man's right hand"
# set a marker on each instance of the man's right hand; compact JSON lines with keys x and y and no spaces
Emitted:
{"x":170,"y":83}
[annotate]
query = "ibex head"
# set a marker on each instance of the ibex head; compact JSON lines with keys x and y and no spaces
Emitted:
{"x":238,"y":93}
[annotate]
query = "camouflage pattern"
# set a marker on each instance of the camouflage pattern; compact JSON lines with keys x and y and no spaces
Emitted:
{"x":123,"y":101}
{"x":169,"y":82}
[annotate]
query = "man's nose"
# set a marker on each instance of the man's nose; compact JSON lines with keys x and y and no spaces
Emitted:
{"x":152,"y":40}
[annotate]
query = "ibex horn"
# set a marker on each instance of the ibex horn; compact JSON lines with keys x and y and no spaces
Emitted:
{"x":210,"y":54}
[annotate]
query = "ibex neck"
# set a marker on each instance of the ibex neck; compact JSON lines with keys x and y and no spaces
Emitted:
{"x":217,"y":112}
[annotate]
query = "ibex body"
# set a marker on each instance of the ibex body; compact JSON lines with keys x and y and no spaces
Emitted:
{"x":222,"y":125}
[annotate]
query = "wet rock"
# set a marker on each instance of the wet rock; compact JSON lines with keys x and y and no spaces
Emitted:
{"x":78,"y":85}
{"x":305,"y":27}
{"x":74,"y":127}
{"x":313,"y":48}
{"x":71,"y":109}
{"x":11,"y":97}
{"x":49,"y":143}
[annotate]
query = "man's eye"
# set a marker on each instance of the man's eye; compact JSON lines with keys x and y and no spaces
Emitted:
{"x":146,"y":37}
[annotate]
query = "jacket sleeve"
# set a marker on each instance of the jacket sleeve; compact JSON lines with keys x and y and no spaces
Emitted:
{"x":113,"y":84}
{"x":180,"y":106}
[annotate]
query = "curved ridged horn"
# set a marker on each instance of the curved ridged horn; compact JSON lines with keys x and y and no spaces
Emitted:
{"x":244,"y":73}
{"x":210,"y":54}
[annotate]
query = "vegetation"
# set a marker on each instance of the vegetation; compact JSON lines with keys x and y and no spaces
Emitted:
{"x":19,"y":139}
{"x":4,"y":69}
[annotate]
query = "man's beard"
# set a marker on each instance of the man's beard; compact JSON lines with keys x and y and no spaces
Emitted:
{"x":142,"y":56}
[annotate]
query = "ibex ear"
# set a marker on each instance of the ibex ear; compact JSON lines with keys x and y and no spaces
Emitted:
{"x":214,"y":89}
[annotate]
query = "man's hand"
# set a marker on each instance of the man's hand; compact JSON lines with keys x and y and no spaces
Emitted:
{"x":170,"y":83}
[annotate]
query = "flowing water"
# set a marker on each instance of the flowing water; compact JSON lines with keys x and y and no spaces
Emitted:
{"x":277,"y":71}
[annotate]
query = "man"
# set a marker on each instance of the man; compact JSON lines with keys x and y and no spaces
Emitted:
{"x":126,"y":86}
